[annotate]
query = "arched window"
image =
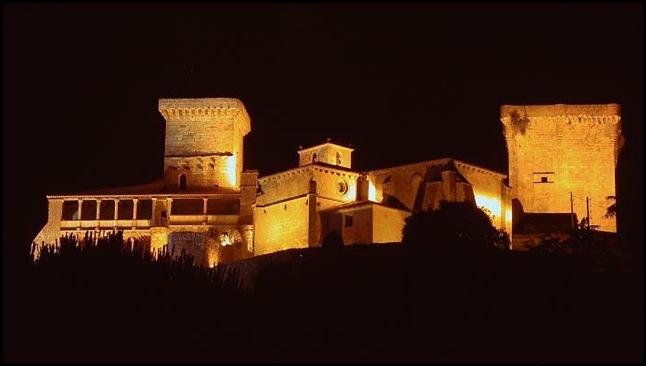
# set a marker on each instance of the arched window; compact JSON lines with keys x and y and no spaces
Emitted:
{"x":314,"y":158}
{"x":338,"y":158}
{"x":182,"y":182}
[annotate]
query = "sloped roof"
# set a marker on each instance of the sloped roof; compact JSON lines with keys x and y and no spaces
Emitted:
{"x":441,"y":161}
{"x":153,"y":188}
{"x":362,"y":203}
{"x":434,"y":172}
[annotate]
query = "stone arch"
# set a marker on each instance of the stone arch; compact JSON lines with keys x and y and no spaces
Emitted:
{"x":517,"y":211}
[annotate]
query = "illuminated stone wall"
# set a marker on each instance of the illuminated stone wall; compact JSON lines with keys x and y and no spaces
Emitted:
{"x":51,"y":231}
{"x":192,"y":241}
{"x":387,"y":224}
{"x":558,"y":149}
{"x":299,"y":227}
{"x":365,"y":223}
{"x":404,"y":183}
{"x":322,"y":227}
{"x":204,"y":141}
{"x":335,"y":184}
{"x":285,"y":185}
{"x":490,"y":193}
{"x":361,"y":230}
{"x":331,"y":183}
{"x":248,"y":191}
{"x":327,"y":153}
{"x":158,"y":238}
{"x":282,"y":225}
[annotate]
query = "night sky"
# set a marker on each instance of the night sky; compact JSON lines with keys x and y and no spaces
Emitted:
{"x":400,"y":83}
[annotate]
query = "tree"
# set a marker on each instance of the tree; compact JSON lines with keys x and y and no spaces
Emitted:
{"x":611,"y":211}
{"x":453,"y":225}
{"x":332,"y":240}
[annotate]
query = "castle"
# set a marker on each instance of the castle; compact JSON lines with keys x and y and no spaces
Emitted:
{"x":209,"y":206}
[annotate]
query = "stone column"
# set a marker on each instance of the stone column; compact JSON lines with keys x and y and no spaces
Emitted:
{"x":98,"y":213}
{"x":80,"y":214}
{"x":247,"y":234}
{"x":204,"y":211}
{"x":169,"y":207}
{"x":134,"y":213}
{"x":116,"y":213}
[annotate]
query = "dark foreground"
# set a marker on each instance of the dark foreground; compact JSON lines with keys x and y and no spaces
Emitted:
{"x":362,"y":303}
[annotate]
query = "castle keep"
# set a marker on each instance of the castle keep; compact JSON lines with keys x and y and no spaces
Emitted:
{"x":561,"y":150}
{"x":208,"y":205}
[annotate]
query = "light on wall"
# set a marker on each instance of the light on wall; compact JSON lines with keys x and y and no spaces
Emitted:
{"x":372,"y":191}
{"x":490,"y":203}
{"x":225,"y":239}
{"x":231,"y":171}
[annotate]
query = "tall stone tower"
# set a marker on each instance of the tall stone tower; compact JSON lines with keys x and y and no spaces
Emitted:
{"x":203,"y":142}
{"x":558,"y":149}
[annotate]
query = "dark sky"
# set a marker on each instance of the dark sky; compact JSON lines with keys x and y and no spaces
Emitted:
{"x":400,"y":83}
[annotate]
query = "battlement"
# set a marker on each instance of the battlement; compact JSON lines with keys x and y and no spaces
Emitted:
{"x":561,"y":110}
{"x":205,"y":107}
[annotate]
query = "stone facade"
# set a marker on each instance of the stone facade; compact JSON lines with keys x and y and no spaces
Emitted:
{"x":286,"y":213}
{"x":421,"y":186}
{"x":327,"y":153}
{"x":559,"y":150}
{"x":205,"y":204}
{"x":204,"y":141}
{"x":366,"y":207}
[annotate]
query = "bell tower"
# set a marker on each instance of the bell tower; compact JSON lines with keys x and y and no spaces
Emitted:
{"x":204,"y":142}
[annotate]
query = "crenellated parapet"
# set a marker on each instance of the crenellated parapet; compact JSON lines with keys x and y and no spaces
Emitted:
{"x":599,"y":112}
{"x":206,"y":107}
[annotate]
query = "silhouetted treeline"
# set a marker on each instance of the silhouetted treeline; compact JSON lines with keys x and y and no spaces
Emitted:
{"x":111,"y":301}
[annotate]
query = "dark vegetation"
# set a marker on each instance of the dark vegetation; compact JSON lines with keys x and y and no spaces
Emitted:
{"x":461,"y":298}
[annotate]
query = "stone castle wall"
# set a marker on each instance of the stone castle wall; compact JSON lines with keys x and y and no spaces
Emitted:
{"x":555,"y":150}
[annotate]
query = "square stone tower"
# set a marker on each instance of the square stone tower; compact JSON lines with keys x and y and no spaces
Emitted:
{"x":558,"y":149}
{"x":327,"y":153}
{"x":204,"y":140}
